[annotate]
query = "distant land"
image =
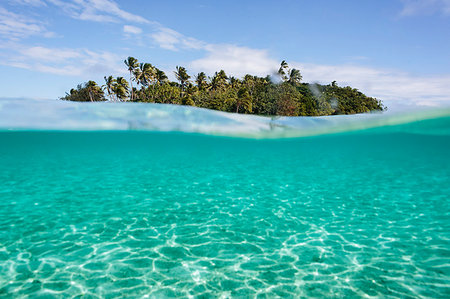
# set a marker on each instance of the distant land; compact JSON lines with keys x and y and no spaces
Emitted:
{"x":280,"y":94}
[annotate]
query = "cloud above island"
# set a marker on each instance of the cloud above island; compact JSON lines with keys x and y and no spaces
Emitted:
{"x":132,"y":29}
{"x":425,"y":7}
{"x":63,"y":61}
{"x":236,"y":60}
{"x":97,"y":10}
{"x":29,"y":2}
{"x":385,"y":84}
{"x":15,"y":26}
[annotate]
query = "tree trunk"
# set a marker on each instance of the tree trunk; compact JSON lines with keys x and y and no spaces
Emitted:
{"x":131,"y":84}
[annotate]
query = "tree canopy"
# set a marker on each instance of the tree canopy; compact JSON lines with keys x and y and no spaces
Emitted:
{"x":86,"y":92}
{"x":286,"y":95}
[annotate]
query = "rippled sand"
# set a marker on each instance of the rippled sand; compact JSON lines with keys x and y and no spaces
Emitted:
{"x":133,"y":214}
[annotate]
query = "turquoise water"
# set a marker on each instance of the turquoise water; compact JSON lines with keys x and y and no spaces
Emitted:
{"x":163,"y":214}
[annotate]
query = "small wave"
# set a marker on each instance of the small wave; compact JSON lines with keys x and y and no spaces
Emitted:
{"x":28,"y":114}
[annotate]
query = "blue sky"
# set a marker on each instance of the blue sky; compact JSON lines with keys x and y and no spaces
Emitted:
{"x":396,"y":50}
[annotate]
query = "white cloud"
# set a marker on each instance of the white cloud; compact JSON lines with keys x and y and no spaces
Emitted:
{"x":385,"y":84}
{"x":392,"y":85}
{"x":15,"y":27}
{"x":97,"y":10}
{"x":236,"y":61}
{"x":29,"y":2}
{"x":425,"y":7}
{"x":132,"y":29}
{"x":60,"y":61}
{"x":167,"y":38}
{"x":192,"y":43}
{"x":170,"y":39}
{"x":112,"y":8}
{"x":48,"y":54}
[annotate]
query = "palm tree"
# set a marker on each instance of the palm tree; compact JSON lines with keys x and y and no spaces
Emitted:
{"x":250,"y":82}
{"x":121,"y":88}
{"x":147,"y":73}
{"x":93,"y":90}
{"x":219,"y":80}
{"x":160,"y":76}
{"x":109,"y":84}
{"x":137,"y":76}
{"x":131,"y":63}
{"x":244,"y":99}
{"x":182,"y":76}
{"x":234,"y":82}
{"x":200,"y":79}
{"x":294,"y":77}
{"x":283,"y":70}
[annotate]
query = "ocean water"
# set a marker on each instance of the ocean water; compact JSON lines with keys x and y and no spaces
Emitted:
{"x":151,"y":214}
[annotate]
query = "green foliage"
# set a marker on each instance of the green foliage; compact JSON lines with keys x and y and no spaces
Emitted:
{"x":161,"y":77}
{"x":294,"y":77}
{"x":283,"y":70}
{"x":200,"y":80}
{"x":219,"y":80}
{"x":132,"y":64}
{"x":251,"y":94}
{"x":347,"y":100}
{"x":87,"y":92}
{"x":121,"y":89}
{"x":182,"y":77}
{"x":109,"y":86}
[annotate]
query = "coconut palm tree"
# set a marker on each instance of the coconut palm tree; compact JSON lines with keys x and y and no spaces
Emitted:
{"x":160,"y":77}
{"x":147,"y":73}
{"x":234,"y":82}
{"x":244,"y":99}
{"x":121,"y":88}
{"x":219,"y":80}
{"x":94,"y":91}
{"x":200,"y":79}
{"x":109,"y":84}
{"x":283,"y":70}
{"x":294,"y":77}
{"x":182,"y":76}
{"x":132,"y":64}
{"x":250,"y":82}
{"x":138,"y":76}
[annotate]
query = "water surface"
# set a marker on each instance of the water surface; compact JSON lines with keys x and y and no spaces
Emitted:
{"x":165,"y":214}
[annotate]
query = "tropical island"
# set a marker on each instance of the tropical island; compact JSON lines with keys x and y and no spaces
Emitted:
{"x":283,"y":94}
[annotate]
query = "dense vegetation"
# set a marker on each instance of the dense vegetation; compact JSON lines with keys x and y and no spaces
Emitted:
{"x":251,"y":94}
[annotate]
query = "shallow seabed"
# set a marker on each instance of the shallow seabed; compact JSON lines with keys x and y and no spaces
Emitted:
{"x":112,"y":214}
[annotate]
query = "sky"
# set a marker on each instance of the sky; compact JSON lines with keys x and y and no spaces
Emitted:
{"x":395,"y":50}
